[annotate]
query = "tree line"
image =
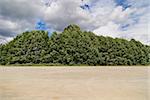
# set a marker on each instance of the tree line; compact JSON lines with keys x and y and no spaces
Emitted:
{"x":73,"y":47}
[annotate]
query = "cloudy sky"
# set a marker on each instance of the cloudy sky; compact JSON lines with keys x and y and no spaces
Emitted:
{"x":116,"y":18}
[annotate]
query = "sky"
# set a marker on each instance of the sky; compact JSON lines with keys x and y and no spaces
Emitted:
{"x":115,"y":18}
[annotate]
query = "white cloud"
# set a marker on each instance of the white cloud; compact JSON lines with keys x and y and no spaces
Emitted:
{"x":139,"y":31}
{"x":104,"y":17}
{"x":136,"y":19}
{"x":119,"y":15}
{"x":110,"y":29}
{"x":4,"y":40}
{"x":65,"y":12}
{"x":7,"y":24}
{"x":115,"y":19}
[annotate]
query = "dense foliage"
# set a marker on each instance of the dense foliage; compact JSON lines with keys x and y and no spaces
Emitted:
{"x":73,"y":47}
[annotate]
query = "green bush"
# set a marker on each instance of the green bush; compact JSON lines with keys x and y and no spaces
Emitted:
{"x":73,"y":47}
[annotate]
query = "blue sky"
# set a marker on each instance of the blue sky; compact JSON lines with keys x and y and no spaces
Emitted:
{"x":123,"y":3}
{"x":116,"y":18}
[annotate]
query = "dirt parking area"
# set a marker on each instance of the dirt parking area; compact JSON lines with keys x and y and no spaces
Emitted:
{"x":74,"y":83}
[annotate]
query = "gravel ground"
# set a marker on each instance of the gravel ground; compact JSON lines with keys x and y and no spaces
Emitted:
{"x":74,"y":83}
